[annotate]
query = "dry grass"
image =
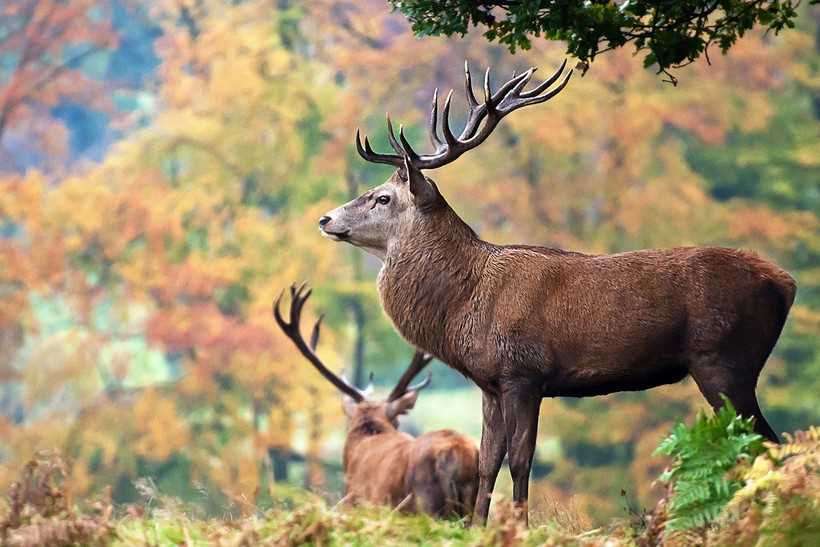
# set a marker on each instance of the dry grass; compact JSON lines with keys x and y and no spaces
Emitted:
{"x":780,"y":505}
{"x":39,"y":510}
{"x":566,"y":516}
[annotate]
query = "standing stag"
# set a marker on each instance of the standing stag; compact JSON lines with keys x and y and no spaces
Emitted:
{"x":382,"y":465}
{"x":526,"y":322}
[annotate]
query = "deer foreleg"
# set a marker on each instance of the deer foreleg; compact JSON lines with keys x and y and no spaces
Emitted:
{"x":520,"y":406}
{"x":491,"y":454}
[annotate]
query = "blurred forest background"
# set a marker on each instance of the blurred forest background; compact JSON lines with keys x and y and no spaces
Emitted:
{"x":162,"y":168}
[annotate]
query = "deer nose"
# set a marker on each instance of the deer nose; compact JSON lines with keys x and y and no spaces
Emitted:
{"x":324,"y":220}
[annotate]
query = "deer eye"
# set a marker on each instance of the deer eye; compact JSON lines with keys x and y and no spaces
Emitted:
{"x":383,"y":200}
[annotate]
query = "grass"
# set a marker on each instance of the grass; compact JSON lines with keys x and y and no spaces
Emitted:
{"x":777,"y":504}
{"x":319,"y":524}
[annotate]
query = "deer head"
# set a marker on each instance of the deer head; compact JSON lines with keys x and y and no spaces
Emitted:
{"x":379,"y":217}
{"x":359,"y":410}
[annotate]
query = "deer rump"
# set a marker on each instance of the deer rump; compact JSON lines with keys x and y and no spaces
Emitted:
{"x":437,"y":470}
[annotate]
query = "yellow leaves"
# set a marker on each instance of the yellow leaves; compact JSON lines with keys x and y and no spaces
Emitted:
{"x":786,"y":472}
{"x":759,"y":111}
{"x":21,"y":198}
{"x":804,"y":319}
{"x":756,"y":222}
{"x":672,"y":209}
{"x":75,"y":207}
{"x":233,"y":78}
{"x":161,"y":432}
{"x":236,"y":471}
{"x":38,"y":44}
{"x":807,"y":155}
{"x":280,"y":426}
{"x":761,"y":476}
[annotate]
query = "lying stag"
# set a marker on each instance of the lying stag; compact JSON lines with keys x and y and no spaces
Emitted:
{"x":438,"y":470}
{"x":527,"y":322}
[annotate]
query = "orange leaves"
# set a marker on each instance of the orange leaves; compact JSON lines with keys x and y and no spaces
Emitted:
{"x":160,"y":431}
{"x":204,"y":327}
{"x":761,"y":223}
{"x":669,"y":209}
{"x":185,"y":232}
{"x":21,"y":198}
{"x":45,"y":41}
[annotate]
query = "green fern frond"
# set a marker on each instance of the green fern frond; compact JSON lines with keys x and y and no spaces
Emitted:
{"x":702,"y":455}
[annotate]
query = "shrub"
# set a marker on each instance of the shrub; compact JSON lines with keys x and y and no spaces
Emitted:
{"x":779,"y":503}
{"x":39,"y":510}
{"x":703,"y":477}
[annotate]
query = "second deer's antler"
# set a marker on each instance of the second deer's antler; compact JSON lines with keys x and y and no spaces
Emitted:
{"x":298,"y":297}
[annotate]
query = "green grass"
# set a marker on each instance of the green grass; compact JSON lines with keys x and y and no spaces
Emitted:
{"x":775,"y":501}
{"x":318,"y":524}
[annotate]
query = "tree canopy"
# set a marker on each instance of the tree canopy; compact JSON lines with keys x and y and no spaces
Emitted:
{"x":672,"y":34}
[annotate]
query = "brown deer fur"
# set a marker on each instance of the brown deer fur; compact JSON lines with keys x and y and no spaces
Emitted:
{"x":527,"y":322}
{"x":382,"y":465}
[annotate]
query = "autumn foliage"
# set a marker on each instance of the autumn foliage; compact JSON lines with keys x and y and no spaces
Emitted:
{"x":135,"y":287}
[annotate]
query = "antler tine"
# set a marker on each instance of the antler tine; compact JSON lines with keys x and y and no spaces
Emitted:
{"x":445,"y":122}
{"x":515,"y":101}
{"x":408,"y":150}
{"x":417,"y":364}
{"x":488,"y":94}
{"x":546,"y":83}
{"x":515,"y":88}
{"x":391,"y":137}
{"x":468,"y":85}
{"x":298,"y":296}
{"x":513,"y":84}
{"x":423,"y":384}
{"x":276,"y":314}
{"x":291,"y":329}
{"x":547,"y":96}
{"x":314,"y":334}
{"x":368,"y":154}
{"x":479,"y":113}
{"x":481,"y":120}
{"x":434,"y":139}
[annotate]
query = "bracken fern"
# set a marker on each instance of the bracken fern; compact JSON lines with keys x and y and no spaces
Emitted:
{"x":703,"y":456}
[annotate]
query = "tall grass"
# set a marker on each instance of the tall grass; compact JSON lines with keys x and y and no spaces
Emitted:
{"x":774,"y":500}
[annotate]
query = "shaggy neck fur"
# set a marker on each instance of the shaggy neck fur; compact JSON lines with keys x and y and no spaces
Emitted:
{"x":429,"y":275}
{"x":362,"y":431}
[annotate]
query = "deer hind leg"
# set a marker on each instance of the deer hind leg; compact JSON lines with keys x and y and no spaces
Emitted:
{"x":425,"y":488}
{"x":467,"y":497}
{"x":716,"y":376}
{"x":520,"y":405}
{"x":490,"y":455}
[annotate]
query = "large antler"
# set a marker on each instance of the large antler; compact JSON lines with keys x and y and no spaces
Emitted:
{"x":420,"y":360}
{"x":298,"y":296}
{"x":510,"y":96}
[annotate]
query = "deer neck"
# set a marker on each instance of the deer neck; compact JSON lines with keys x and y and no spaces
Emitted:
{"x":362,"y":432}
{"x":428,"y":277}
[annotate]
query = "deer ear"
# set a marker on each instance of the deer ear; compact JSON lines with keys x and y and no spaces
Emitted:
{"x":402,"y":405}
{"x":424,"y":193}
